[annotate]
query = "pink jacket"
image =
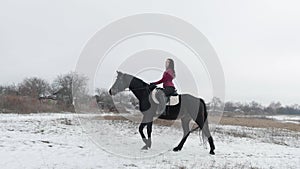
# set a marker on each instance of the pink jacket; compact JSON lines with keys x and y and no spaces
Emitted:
{"x":167,"y":78}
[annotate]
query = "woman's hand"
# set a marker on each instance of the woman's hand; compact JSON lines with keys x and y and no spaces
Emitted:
{"x":152,"y":85}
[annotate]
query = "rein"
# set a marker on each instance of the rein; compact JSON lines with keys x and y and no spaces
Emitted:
{"x":137,"y":88}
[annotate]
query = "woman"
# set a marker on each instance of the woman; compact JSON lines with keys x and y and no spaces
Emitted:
{"x":168,"y":76}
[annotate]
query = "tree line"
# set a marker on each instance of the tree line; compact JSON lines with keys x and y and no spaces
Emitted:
{"x":38,"y":95}
{"x":253,"y":108}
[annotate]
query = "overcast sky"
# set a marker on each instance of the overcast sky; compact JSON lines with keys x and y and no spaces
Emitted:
{"x":257,"y":41}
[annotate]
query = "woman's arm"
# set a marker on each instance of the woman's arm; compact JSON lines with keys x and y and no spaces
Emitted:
{"x":166,"y":77}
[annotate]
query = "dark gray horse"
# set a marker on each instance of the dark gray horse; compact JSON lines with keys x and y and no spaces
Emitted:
{"x":189,"y":108}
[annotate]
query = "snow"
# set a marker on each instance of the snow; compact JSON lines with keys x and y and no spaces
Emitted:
{"x":56,"y":140}
{"x":286,"y":118}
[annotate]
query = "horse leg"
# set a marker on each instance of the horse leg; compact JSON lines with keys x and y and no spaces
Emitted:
{"x":147,"y":121}
{"x":202,"y":122}
{"x":206,"y":128}
{"x":141,"y":128}
{"x":186,"y":132}
{"x":206,"y":132}
{"x":210,"y":139}
{"x":149,"y":131}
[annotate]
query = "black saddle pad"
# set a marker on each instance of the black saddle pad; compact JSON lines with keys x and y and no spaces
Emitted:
{"x":173,"y":94}
{"x":171,"y":112}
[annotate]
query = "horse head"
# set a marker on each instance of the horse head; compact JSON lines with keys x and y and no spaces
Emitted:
{"x":122,"y":82}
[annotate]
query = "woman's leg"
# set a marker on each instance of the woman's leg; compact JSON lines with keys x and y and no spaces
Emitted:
{"x":169,"y":90}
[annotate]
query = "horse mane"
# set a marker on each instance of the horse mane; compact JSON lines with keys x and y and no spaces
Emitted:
{"x":140,"y":90}
{"x":135,"y":79}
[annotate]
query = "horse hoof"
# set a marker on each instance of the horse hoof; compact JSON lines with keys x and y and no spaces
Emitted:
{"x":145,"y":147}
{"x":212,"y":152}
{"x":176,"y":149}
{"x":149,"y":143}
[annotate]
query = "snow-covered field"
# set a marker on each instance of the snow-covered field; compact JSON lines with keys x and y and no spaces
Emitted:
{"x":58,"y":140}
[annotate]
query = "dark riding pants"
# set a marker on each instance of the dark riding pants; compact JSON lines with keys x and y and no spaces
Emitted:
{"x":169,"y":90}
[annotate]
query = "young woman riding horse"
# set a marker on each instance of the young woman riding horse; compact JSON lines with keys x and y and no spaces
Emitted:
{"x":189,"y":108}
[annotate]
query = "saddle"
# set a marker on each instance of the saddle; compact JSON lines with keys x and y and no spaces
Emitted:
{"x":172,"y":100}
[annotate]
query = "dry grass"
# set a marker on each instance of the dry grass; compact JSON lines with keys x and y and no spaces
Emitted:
{"x":133,"y":118}
{"x":258,"y":123}
{"x":24,"y":104}
{"x":238,"y":121}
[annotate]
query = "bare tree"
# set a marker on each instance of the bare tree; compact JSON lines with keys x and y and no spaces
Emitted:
{"x":256,"y":107}
{"x":68,"y":86}
{"x":104,"y":100}
{"x":9,"y":90}
{"x":34,"y":87}
{"x":273,"y":107}
{"x":229,"y":106}
{"x":216,"y":104}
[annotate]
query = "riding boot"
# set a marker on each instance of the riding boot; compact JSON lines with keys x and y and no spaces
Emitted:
{"x":168,"y":99}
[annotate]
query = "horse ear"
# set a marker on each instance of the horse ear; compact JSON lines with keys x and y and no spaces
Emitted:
{"x":119,"y":72}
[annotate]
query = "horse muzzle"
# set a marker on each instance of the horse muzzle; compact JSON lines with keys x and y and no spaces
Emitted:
{"x":111,"y":92}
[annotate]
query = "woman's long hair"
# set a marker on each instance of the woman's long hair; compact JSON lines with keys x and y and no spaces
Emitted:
{"x":171,"y":66}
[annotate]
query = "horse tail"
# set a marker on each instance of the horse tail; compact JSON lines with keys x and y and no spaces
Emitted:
{"x":202,"y":125}
{"x":201,"y":120}
{"x":205,"y":109}
{"x":205,"y":128}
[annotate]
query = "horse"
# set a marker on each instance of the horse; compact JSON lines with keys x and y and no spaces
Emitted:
{"x":189,"y":108}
